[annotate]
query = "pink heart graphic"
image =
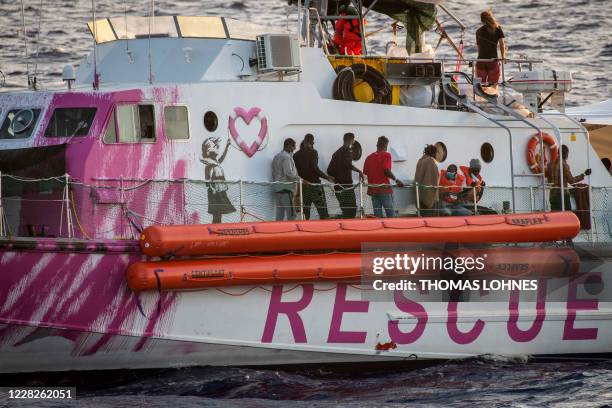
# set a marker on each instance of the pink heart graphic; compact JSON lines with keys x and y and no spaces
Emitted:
{"x":247,"y":117}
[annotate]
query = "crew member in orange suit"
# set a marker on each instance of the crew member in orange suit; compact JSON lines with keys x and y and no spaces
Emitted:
{"x":347,"y":36}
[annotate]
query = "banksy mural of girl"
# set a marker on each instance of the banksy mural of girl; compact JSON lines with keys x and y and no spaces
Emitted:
{"x":218,"y":202}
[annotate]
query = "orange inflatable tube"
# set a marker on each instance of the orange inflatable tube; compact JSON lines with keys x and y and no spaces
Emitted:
{"x":348,"y":235}
{"x":509,"y":262}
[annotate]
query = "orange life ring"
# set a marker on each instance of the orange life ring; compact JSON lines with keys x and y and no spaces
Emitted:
{"x":533,"y":151}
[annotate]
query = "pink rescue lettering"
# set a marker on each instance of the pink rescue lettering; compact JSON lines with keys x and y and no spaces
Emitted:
{"x":573,"y":305}
{"x":524,"y":336}
{"x":291,"y":309}
{"x":341,"y":306}
{"x":457,"y":335}
{"x":415,"y":309}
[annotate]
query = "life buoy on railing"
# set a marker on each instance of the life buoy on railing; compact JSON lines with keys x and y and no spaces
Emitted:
{"x":344,"y":85}
{"x":533,"y":151}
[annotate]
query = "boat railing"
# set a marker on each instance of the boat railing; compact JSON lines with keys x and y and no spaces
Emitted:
{"x":119,"y":208}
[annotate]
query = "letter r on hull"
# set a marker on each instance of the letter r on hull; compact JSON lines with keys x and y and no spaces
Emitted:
{"x":291,"y":309}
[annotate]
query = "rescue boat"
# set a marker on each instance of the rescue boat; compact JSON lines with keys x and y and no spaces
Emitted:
{"x":347,"y":235}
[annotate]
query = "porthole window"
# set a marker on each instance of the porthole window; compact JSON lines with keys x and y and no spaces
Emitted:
{"x":210,"y":121}
{"x":487,"y":153}
{"x":442,"y":152}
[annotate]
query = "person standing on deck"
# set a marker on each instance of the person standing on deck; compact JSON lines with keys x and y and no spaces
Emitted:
{"x":552,"y":174}
{"x":307,"y":164}
{"x":427,"y":178}
{"x":488,"y":38}
{"x":341,"y":169}
{"x":377,"y":168}
{"x":347,"y":36}
{"x":285,"y":176}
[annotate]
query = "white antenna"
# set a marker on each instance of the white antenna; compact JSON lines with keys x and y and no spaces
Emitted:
{"x":96,"y":79}
{"x":25,"y":41}
{"x":151,"y":16}
{"x":127,"y":40}
{"x":40,"y":9}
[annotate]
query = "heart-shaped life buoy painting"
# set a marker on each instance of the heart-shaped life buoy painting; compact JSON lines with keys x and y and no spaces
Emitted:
{"x":249,"y":143}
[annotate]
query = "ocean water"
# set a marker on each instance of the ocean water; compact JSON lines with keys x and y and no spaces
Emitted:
{"x":571,"y":35}
{"x":486,"y":381}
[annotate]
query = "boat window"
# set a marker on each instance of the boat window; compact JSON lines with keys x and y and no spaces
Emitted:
{"x":242,"y":30}
{"x":104,"y":31}
{"x":210,"y":121}
{"x":131,"y":124}
{"x":110,"y":135}
{"x":201,"y":27}
{"x":19,"y":123}
{"x":487,"y":153}
{"x":131,"y":27}
{"x":176,"y":122}
{"x":69,"y":122}
{"x":442,"y":152}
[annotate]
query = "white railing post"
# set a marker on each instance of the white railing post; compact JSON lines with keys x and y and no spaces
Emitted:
{"x":241,"y":199}
{"x":531,"y":199}
{"x":123,"y":208}
{"x":69,"y":225}
{"x":184,"y":209}
{"x":418,"y":204}
{"x":361,"y":210}
{"x":475,"y":202}
{"x":301,"y":199}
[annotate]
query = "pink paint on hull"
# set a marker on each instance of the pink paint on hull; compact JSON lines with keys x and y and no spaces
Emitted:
{"x":85,"y":293}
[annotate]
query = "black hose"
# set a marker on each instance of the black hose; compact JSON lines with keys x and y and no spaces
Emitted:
{"x":343,"y":85}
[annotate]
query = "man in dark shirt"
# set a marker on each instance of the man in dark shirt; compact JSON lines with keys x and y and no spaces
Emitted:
{"x":488,"y":37}
{"x":307,"y":163}
{"x":341,"y":169}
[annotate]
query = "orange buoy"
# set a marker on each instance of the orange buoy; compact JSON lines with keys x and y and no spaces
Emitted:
{"x":509,"y":262}
{"x":533,"y":151}
{"x":348,"y":235}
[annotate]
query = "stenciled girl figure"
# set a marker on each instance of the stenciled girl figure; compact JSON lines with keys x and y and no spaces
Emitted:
{"x":218,"y":202}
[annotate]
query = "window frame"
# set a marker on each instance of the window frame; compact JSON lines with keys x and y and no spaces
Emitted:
{"x":36,"y":125}
{"x":97,"y":109}
{"x":113,"y":113}
{"x":188,"y":122}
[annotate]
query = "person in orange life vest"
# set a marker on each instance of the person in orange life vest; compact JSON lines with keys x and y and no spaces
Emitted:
{"x":347,"y":36}
{"x":377,"y":168}
{"x":451,"y":185}
{"x":473,"y":182}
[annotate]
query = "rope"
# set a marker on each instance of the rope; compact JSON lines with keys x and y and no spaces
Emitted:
{"x":76,"y":216}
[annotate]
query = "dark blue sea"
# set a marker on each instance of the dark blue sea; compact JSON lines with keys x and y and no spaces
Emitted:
{"x":574,"y":35}
{"x":483,"y":382}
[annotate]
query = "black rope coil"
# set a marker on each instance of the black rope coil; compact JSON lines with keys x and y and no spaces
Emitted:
{"x":343,"y":85}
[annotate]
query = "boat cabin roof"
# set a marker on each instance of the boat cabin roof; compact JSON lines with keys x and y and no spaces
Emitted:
{"x":132,"y":27}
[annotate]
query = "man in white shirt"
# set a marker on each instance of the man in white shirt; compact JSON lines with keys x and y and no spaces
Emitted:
{"x":286,"y":177}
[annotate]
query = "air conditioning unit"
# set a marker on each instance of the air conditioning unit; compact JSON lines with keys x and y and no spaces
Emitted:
{"x":278,"y":52}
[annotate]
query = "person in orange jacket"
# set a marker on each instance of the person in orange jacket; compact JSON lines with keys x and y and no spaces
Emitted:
{"x":347,"y":36}
{"x":473,"y":182}
{"x":451,"y":186}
